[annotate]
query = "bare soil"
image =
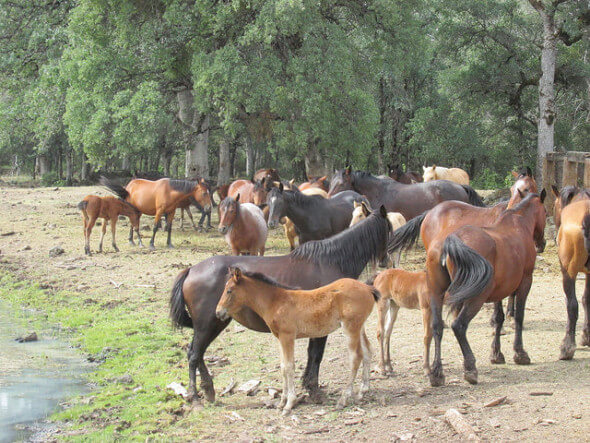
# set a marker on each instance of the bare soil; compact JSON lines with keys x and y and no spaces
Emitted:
{"x":400,"y":407}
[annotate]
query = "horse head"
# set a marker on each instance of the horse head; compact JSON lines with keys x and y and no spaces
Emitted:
{"x":342,"y":181}
{"x":429,"y":173}
{"x":260,"y":191}
{"x":525,"y":184}
{"x":276,"y":204}
{"x":228,"y":212}
{"x":532,"y":206}
{"x":202,"y":195}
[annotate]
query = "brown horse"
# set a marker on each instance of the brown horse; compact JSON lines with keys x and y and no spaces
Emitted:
{"x":243,"y":226}
{"x":401,"y":289}
{"x":292,"y":314}
{"x":109,"y":209}
{"x":316,"y":182}
{"x":270,"y":175}
{"x":250,"y":191}
{"x":574,"y":252}
{"x":524,"y":184}
{"x":569,"y":194}
{"x":477,"y":265}
{"x":161,"y":198}
{"x":407,"y":178}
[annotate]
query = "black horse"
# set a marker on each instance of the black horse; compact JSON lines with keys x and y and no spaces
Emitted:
{"x":197,"y":290}
{"x":314,"y":216}
{"x":410,"y":200}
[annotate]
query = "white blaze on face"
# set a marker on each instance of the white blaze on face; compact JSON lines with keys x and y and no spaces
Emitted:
{"x":357,"y":215}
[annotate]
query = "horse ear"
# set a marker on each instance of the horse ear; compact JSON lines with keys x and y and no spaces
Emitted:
{"x":236,"y":274}
{"x":529,"y":171}
{"x":281,"y":188}
{"x":514,"y":174}
{"x":321,"y":179}
{"x":433,"y":167}
{"x":555,"y":190}
{"x":238,"y":197}
{"x":366,"y":210}
{"x":292,"y":181}
{"x":383,"y":211}
{"x":355,"y":204}
{"x":276,"y":184}
{"x":425,"y":168}
{"x":520,"y":193}
{"x":543,"y":195}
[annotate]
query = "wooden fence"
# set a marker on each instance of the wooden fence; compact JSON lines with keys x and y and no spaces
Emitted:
{"x":565,"y":169}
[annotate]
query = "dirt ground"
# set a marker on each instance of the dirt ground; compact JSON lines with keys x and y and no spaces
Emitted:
{"x":400,"y":407}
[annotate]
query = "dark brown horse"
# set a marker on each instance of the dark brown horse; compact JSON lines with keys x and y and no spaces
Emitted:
{"x":409,"y":200}
{"x":477,"y":265}
{"x":197,"y":290}
{"x":250,"y":191}
{"x":314,"y":216}
{"x":316,"y":182}
{"x":160,"y":198}
{"x":407,"y":178}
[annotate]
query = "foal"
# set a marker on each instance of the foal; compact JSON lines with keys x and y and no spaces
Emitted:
{"x":401,"y":289}
{"x":108,"y":208}
{"x":292,"y":313}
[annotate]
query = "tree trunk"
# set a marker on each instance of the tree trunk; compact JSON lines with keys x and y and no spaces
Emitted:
{"x":224,"y":165}
{"x":197,"y":159}
{"x":314,"y":162}
{"x":249,"y":156}
{"x":381,"y":144}
{"x":232,"y":158}
{"x":69,"y":167}
{"x":42,"y":164}
{"x":85,"y":170}
{"x":126,"y":163}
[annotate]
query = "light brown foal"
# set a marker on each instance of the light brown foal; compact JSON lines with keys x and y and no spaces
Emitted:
{"x":291,"y":314}
{"x":401,"y":289}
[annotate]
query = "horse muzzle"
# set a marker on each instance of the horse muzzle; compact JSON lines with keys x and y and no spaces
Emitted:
{"x":222,"y":314}
{"x":223,"y":229}
{"x":272,"y":224}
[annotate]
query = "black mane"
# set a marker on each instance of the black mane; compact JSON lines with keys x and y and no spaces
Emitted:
{"x":568,"y":192}
{"x":522,"y":203}
{"x":185,"y":186}
{"x":351,"y":249}
{"x":265,"y":279}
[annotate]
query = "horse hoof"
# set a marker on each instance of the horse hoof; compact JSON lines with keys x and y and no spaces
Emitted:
{"x":170,"y":246}
{"x":567,"y":351}
{"x":522,"y":358}
{"x":497,"y":359}
{"x":286,"y":412}
{"x":152,"y":248}
{"x":132,"y":243}
{"x":436,"y":380}
{"x":585,"y":338}
{"x":210,"y":396}
{"x":471,"y":376}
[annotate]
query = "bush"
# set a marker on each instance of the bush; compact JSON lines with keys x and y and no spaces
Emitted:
{"x":51,"y":179}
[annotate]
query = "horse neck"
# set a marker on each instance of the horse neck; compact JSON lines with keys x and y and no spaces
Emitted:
{"x":372,"y":187}
{"x":295,"y":210}
{"x":522,"y":218}
{"x":261,"y":297}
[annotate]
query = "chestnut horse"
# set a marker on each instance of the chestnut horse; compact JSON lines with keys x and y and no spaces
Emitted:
{"x":476,"y":265}
{"x":409,"y":200}
{"x":109,"y":209}
{"x":407,"y":178}
{"x":569,"y":194}
{"x":197,"y":290}
{"x":574,"y":252}
{"x":316,"y":182}
{"x":160,"y":198}
{"x":250,"y":191}
{"x":243,"y":226}
{"x":456,"y":175}
{"x":270,"y":174}
{"x":292,"y":314}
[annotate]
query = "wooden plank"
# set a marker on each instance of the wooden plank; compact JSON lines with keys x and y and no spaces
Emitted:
{"x":587,"y":172}
{"x":570,"y":172}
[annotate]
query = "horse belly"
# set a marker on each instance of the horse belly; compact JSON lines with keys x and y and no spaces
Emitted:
{"x":319,"y":326}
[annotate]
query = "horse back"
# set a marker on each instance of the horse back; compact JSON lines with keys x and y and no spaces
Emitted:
{"x":571,"y":250}
{"x":242,"y":187}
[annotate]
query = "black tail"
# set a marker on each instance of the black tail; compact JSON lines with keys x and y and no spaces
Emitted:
{"x":473,"y":197}
{"x":371,"y":279}
{"x":376,"y":294}
{"x":586,"y":232}
{"x":407,"y":235}
{"x":115,"y":188}
{"x":473,"y":273}
{"x":178,"y":312}
{"x":82,"y":205}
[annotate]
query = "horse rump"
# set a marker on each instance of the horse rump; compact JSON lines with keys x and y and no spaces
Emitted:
{"x":83,"y":205}
{"x":178,"y":312}
{"x":473,"y":197}
{"x":115,"y":188}
{"x":473,"y":272}
{"x":407,"y":235}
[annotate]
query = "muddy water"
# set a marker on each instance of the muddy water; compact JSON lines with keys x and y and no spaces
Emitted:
{"x":34,"y":378}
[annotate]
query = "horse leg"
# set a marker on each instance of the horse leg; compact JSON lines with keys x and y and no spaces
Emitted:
{"x":520,"y":355}
{"x":288,"y":368}
{"x":391,"y":318}
{"x":190,"y":216}
{"x":87,"y":231}
{"x":157,"y":224}
{"x":459,"y":326}
{"x":169,"y":220}
{"x":510,"y":307}
{"x":366,"y":348}
{"x":437,"y":377}
{"x":113,"y":231}
{"x":208,"y":215}
{"x":315,"y":353}
{"x":586,"y":305}
{"x":131,"y":242}
{"x":382,"y":312}
{"x":355,"y":352}
{"x":498,"y":320}
{"x":103,"y":232}
{"x":568,"y":346}
{"x":427,"y":325}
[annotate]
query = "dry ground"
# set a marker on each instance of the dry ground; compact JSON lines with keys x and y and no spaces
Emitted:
{"x":402,"y":406}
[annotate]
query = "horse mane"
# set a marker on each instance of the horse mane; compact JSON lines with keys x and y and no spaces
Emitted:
{"x":185,"y":186}
{"x":302,"y":200}
{"x":259,"y":276}
{"x":521,"y":203}
{"x":363,"y":174}
{"x":569,"y":192}
{"x":351,"y":249}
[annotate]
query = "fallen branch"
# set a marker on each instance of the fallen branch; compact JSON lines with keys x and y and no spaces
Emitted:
{"x":495,"y":402}
{"x":540,"y":393}
{"x":460,"y":425}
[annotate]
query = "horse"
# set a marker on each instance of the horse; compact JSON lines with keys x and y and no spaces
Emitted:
{"x":569,"y":194}
{"x":316,"y":182}
{"x":401,"y":289}
{"x":270,"y":174}
{"x":197,"y":290}
{"x":243,"y":226}
{"x":222,"y":191}
{"x":108,"y":208}
{"x":160,"y":198}
{"x":475,"y":265}
{"x":456,"y":175}
{"x":314,"y":217}
{"x":292,"y":313}
{"x":362,"y":211}
{"x":289,"y":227}
{"x":574,"y":252}
{"x":407,"y":178}
{"x":250,"y":191}
{"x":409,"y":200}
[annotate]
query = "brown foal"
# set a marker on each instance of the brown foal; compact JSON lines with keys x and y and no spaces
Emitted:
{"x":292,"y":313}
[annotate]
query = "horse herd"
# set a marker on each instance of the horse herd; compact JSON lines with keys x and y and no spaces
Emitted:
{"x":474,"y":254}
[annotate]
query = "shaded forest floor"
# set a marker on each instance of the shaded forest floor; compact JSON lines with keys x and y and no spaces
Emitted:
{"x":114,"y":307}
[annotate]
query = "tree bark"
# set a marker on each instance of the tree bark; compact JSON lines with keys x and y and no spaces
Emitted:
{"x":42,"y":164}
{"x":85,"y":170}
{"x":249,"y":156}
{"x":197,"y":159}
{"x":314,"y":162}
{"x":381,"y":143}
{"x":224,"y":164}
{"x":69,"y":167}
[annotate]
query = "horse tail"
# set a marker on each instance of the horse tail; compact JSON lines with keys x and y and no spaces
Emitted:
{"x":115,"y":188}
{"x":83,"y":205}
{"x":406,"y":236}
{"x":586,"y":232}
{"x":376,"y":294}
{"x":473,"y":272}
{"x":178,"y":313}
{"x":473,"y":198}
{"x":371,"y":279}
